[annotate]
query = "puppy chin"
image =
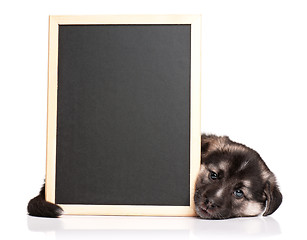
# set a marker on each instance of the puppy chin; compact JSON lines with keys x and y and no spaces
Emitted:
{"x":206,"y":214}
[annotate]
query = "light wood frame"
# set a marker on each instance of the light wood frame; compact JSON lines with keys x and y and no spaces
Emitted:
{"x":54,"y":22}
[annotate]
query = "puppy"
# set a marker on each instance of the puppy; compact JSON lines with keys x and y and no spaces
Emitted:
{"x":233,"y":181}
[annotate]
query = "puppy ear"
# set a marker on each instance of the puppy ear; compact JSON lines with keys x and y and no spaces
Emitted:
{"x":204,"y":146}
{"x":273,"y":196}
{"x":205,"y":143}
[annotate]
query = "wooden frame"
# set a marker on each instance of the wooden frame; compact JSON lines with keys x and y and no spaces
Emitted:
{"x":54,"y":22}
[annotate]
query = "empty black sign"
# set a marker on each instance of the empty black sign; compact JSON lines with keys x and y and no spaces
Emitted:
{"x":123,"y":114}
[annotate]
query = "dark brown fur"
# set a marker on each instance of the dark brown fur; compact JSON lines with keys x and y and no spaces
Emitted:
{"x":229,"y":170}
{"x":237,"y":167}
{"x":39,"y":207}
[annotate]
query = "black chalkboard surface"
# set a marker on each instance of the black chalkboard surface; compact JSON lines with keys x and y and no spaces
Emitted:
{"x":123,"y":116}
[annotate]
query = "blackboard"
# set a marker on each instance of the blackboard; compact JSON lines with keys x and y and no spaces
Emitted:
{"x":122,"y":135}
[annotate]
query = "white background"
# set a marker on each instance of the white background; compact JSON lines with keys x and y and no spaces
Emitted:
{"x":254,"y":74}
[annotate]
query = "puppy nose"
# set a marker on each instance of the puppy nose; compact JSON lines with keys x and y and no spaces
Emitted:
{"x":210,"y":204}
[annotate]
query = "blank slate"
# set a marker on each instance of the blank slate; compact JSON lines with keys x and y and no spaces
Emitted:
{"x":123,"y":135}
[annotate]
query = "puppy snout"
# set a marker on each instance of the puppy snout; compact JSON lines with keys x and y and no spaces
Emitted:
{"x":210,"y":203}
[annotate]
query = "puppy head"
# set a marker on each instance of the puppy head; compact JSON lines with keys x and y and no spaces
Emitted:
{"x":234,"y":182}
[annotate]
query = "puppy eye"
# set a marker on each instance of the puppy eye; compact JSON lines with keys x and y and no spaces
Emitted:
{"x":213,"y":175}
{"x":238,"y":193}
